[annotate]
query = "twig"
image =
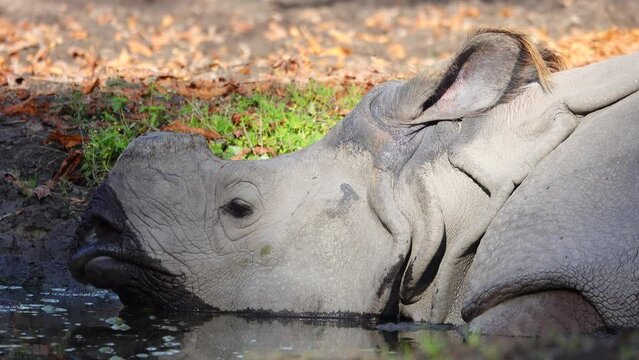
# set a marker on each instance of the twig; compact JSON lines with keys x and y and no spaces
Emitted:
{"x":17,"y":212}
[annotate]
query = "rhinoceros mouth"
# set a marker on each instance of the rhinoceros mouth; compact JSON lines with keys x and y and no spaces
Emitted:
{"x":109,"y":255}
{"x":107,"y":250}
{"x":108,"y":266}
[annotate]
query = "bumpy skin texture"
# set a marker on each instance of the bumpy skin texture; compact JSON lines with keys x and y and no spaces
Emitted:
{"x":573,"y":224}
{"x":385,"y":214}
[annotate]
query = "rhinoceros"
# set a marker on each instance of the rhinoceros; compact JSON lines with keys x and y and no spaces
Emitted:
{"x":499,"y":191}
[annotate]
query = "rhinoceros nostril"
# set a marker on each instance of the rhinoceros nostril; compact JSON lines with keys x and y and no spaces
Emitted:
{"x":104,"y":232}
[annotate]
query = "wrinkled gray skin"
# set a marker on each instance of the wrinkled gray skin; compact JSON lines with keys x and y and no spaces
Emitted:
{"x":384,"y":216}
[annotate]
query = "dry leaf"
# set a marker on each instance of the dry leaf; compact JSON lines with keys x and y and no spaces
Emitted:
{"x":341,"y":36}
{"x":397,"y":51}
{"x":89,"y":86}
{"x":69,"y":165}
{"x":27,"y":107}
{"x":256,"y":150}
{"x":138,"y":47}
{"x":275,"y":32}
{"x":67,"y":141}
{"x":338,"y":51}
{"x":178,"y":126}
{"x":167,"y":21}
{"x":506,"y":11}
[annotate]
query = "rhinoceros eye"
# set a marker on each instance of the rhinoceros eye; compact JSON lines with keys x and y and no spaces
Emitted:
{"x":238,"y":208}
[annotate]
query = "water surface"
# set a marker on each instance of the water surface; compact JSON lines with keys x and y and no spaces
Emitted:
{"x":62,"y":324}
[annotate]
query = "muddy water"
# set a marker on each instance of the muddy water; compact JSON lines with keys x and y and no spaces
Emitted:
{"x":61,"y":324}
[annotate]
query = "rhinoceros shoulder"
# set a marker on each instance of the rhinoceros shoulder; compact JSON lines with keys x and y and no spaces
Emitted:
{"x":573,"y":224}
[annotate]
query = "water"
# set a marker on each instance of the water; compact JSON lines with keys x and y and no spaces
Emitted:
{"x":61,"y":324}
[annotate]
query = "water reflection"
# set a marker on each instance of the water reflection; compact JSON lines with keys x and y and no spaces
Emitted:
{"x":64,"y":325}
{"x":79,"y":326}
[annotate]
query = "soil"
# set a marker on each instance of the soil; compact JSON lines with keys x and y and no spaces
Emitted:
{"x":35,"y":234}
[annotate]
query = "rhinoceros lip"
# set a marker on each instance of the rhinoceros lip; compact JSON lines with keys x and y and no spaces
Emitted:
{"x":85,"y":257}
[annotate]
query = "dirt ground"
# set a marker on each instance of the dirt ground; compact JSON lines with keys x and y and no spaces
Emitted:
{"x":47,"y":46}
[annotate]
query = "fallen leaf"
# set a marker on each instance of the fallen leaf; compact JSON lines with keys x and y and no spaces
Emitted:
{"x":178,"y":126}
{"x":27,"y":107}
{"x":338,"y":51}
{"x":256,"y":150}
{"x":21,"y":45}
{"x":261,"y":150}
{"x":275,"y":32}
{"x":89,"y":86}
{"x":69,"y":165}
{"x":506,"y":11}
{"x":237,"y":118}
{"x":66,"y":140}
{"x":341,"y":36}
{"x":167,"y":21}
{"x":397,"y":51}
{"x":313,"y":43}
{"x":469,"y":11}
{"x":138,"y":47}
{"x":240,"y":26}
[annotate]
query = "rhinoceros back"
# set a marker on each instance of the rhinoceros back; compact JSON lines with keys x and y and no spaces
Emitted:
{"x":573,"y":224}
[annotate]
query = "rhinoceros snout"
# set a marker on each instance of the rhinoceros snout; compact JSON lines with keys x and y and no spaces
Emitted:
{"x":100,"y":235}
{"x":107,"y":253}
{"x":121,"y":241}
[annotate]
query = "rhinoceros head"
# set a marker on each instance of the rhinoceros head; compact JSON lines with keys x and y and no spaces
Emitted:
{"x":174,"y":227}
{"x":327,"y":230}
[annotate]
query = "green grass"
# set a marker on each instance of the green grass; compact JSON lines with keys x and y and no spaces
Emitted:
{"x":255,"y":126}
{"x":265,"y":124}
{"x":103,"y":148}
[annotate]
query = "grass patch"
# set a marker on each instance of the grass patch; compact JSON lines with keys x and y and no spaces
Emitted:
{"x":256,"y":126}
{"x":103,"y":148}
{"x":267,"y":124}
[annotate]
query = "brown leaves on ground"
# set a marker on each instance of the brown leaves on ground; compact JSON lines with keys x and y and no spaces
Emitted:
{"x":91,"y":44}
{"x":582,"y":48}
{"x":71,"y":163}
{"x":66,"y":140}
{"x":178,"y":126}
{"x":201,"y":89}
{"x":26,"y":107}
{"x":256,"y":150}
{"x":69,"y":166}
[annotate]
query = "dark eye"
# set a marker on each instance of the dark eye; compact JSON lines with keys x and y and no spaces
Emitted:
{"x":238,"y":208}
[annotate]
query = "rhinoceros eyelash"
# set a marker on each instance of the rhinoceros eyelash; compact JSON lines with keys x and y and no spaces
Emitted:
{"x":238,"y":208}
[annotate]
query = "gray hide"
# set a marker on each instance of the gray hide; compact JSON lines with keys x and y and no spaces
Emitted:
{"x":465,"y":185}
{"x":573,"y":224}
{"x":385,"y":214}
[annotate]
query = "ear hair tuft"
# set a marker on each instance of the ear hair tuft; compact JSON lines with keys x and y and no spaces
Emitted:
{"x":544,"y":60}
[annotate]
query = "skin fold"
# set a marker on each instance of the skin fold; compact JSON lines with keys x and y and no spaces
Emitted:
{"x":416,"y":204}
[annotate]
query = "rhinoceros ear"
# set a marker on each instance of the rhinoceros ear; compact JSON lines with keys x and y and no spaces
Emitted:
{"x":491,"y":68}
